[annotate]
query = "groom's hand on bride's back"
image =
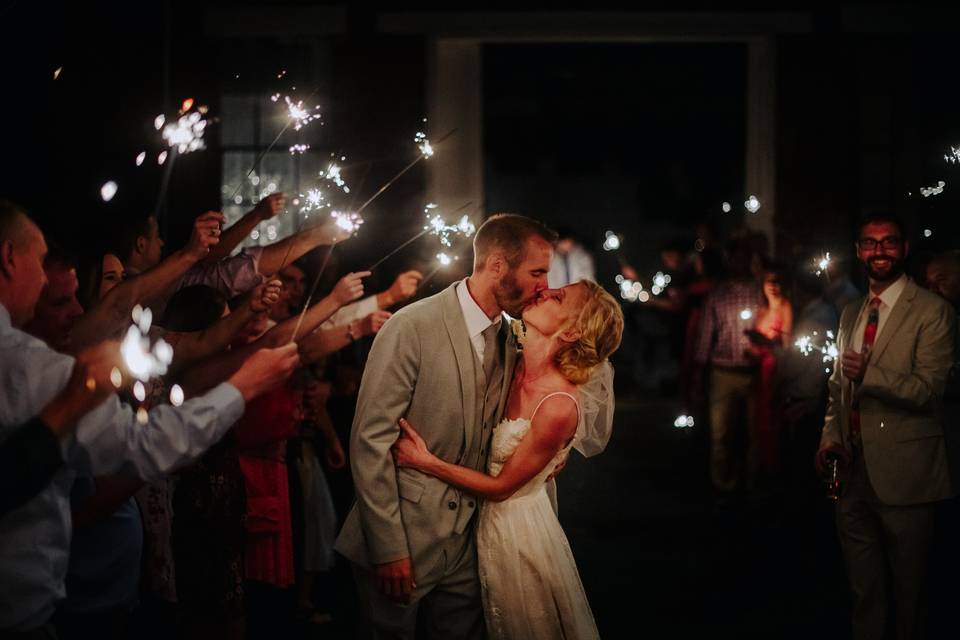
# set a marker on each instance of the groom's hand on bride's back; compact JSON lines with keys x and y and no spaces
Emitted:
{"x":395,"y":579}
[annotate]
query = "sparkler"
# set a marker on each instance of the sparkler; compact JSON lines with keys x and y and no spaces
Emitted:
{"x":631,"y":290}
{"x":660,"y":282}
{"x":443,"y":260}
{"x":139,"y":358}
{"x":297,"y":117}
{"x":954,"y":156}
{"x":348,"y":221}
{"x":746,"y":314}
{"x":298,"y":149}
{"x":426,"y":151}
{"x":108,"y":190}
{"x":141,"y":157}
{"x":725,"y":207}
{"x":822,"y":263}
{"x":437,"y":226}
{"x":828,"y":348}
{"x":684,"y":422}
{"x":752,"y":204}
{"x":56,"y":72}
{"x":612,"y":241}
{"x":927,"y":233}
{"x":926,"y":192}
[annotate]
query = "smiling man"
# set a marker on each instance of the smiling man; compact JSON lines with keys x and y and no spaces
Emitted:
{"x":884,"y":425}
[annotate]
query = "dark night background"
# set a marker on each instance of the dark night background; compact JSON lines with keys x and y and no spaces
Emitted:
{"x":643,"y":138}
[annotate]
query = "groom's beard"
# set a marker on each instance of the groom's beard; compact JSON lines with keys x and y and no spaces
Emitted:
{"x":509,"y":296}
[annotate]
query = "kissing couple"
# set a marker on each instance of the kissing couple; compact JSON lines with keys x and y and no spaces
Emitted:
{"x":459,"y":424}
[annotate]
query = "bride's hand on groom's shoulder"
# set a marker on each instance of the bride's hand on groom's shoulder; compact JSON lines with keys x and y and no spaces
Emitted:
{"x":410,"y":450}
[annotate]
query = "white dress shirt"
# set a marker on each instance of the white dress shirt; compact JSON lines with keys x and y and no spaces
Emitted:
{"x":475,"y":318}
{"x":35,"y":538}
{"x":888,"y":298}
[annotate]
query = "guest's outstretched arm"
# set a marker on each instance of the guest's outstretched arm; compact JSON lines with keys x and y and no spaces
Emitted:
{"x":112,"y":314}
{"x":280,"y":254}
{"x":233,"y":235}
{"x":553,"y":427}
{"x":197,"y":345}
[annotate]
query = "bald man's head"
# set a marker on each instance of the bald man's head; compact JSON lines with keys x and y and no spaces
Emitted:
{"x":22,"y":250}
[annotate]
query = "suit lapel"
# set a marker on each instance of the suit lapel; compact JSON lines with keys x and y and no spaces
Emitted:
{"x":897,"y":315}
{"x":456,"y":327}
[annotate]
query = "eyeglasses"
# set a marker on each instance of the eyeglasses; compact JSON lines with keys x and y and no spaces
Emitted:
{"x":869,"y":244}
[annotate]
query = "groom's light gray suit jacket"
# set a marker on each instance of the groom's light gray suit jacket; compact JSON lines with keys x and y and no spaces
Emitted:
{"x":423,"y":367}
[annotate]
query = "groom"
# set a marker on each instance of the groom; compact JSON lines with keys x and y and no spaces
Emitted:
{"x":445,"y":364}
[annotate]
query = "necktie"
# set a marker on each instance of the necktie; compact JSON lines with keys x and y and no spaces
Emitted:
{"x":869,"y":336}
{"x":492,"y":381}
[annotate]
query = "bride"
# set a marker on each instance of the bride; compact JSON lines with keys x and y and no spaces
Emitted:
{"x":561,"y":396}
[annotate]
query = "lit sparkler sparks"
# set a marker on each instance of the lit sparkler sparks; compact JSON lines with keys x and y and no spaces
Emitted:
{"x":300,"y":116}
{"x":56,"y":72}
{"x":332,"y":174}
{"x":162,"y":157}
{"x":746,"y":314}
{"x":108,"y":190}
{"x":611,"y":242}
{"x":347,"y":221}
{"x":298,"y":149}
{"x":186,"y":134}
{"x":423,"y":143}
{"x":684,"y":422}
{"x":140,"y":359}
{"x":926,"y":192}
{"x":954,"y":156}
{"x":822,"y":263}
{"x":437,"y":226}
{"x":752,"y":204}
{"x":141,"y":157}
{"x":632,"y":291}
{"x":725,"y":207}
{"x":444,"y":259}
{"x":660,"y":282}
{"x":827,"y":348}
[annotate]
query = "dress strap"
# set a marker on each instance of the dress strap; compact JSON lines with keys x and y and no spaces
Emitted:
{"x":550,"y":395}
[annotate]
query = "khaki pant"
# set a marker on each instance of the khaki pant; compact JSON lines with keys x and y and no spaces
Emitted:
{"x":446,"y":604}
{"x":733,"y":448}
{"x":886,"y":551}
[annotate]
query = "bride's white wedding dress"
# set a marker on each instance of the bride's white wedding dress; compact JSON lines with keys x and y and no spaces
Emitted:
{"x":531,"y":588}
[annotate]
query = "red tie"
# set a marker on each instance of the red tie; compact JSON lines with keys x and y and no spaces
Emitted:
{"x":869,"y":336}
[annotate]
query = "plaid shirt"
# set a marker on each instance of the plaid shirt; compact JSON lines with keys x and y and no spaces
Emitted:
{"x":721,"y":340}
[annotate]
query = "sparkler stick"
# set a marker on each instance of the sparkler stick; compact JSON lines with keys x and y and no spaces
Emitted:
{"x":313,"y":290}
{"x":426,"y":150}
{"x":425,"y":231}
{"x":347,"y":221}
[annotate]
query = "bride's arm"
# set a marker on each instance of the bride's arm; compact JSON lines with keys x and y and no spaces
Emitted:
{"x":553,"y":427}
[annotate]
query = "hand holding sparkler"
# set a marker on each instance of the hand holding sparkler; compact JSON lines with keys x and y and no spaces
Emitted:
{"x":270,"y":207}
{"x":349,"y":288}
{"x":206,"y":234}
{"x":265,"y":296}
{"x":853,"y":364}
{"x":402,"y":289}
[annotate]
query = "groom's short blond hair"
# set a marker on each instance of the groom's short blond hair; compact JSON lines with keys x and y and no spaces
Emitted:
{"x":507,"y":233}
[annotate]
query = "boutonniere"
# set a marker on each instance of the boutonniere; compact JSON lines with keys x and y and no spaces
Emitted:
{"x":519,"y":332}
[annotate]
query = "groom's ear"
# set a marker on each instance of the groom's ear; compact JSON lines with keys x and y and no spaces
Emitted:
{"x":496,"y":264}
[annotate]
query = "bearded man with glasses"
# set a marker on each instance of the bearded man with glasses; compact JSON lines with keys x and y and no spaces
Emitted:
{"x":883,"y":425}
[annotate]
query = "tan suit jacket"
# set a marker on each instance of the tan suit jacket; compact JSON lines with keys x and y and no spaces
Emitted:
{"x":422,"y":366}
{"x":900,"y":398}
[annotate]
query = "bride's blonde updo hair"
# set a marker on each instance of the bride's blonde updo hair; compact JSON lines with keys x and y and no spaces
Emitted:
{"x":601,"y":326}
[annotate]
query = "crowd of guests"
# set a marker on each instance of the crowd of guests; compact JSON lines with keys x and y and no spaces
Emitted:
{"x":199,"y":503}
{"x":865,"y":413}
{"x":128,"y":509}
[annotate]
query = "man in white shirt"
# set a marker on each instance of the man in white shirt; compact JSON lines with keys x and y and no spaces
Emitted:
{"x":36,"y":535}
{"x":883,"y":423}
